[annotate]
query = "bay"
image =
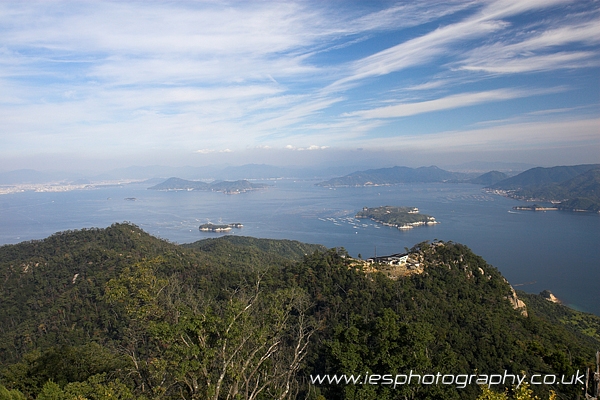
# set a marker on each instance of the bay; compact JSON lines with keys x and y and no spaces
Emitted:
{"x":552,"y":250}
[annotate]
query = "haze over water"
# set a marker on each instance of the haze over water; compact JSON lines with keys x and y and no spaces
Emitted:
{"x":534,"y":250}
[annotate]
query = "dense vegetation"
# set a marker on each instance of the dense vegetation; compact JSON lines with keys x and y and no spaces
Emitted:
{"x":395,"y":216}
{"x":580,"y":192}
{"x":116,"y":313}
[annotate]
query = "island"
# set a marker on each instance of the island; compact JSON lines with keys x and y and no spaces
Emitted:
{"x":210,"y":227}
{"x":535,"y":207}
{"x":399,"y":217}
{"x":227,"y":187}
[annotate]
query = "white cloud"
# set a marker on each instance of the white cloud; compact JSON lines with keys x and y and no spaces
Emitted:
{"x":516,"y":136}
{"x":435,"y":84}
{"x":538,"y":51}
{"x":581,"y":59}
{"x":312,"y":147}
{"x":409,"y":14}
{"x":132,"y":76}
{"x":446,"y":103}
{"x":295,"y":114}
{"x":423,"y":49}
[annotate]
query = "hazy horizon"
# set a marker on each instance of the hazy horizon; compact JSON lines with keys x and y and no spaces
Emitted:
{"x":104,"y":85}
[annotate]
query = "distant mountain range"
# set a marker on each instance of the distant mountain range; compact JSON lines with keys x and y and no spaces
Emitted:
{"x":576,"y":187}
{"x":395,"y":175}
{"x":572,"y":186}
{"x":509,"y":168}
{"x":542,"y":176}
{"x":210,"y":173}
{"x":229,"y":187}
{"x":489,"y":178}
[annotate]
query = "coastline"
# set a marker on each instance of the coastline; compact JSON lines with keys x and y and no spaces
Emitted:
{"x":56,"y":187}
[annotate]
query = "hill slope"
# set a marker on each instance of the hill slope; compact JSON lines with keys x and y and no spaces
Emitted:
{"x":392,"y":176}
{"x":542,"y":176}
{"x":120,"y":312}
{"x":579,"y":193}
{"x":489,"y":178}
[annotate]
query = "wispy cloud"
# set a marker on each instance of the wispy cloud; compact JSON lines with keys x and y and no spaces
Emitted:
{"x":121,"y":77}
{"x":505,"y":136}
{"x":423,"y":49}
{"x":409,"y":14}
{"x":296,"y":114}
{"x":547,"y":62}
{"x":448,"y":102}
{"x":539,"y":51}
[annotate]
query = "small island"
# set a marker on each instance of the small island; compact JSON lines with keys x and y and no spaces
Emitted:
{"x":399,"y":217}
{"x":210,"y":227}
{"x":535,"y":207}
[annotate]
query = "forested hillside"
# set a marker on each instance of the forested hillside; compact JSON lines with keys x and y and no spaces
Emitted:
{"x":579,"y":193}
{"x":573,"y":188}
{"x":392,"y":176}
{"x":536,"y":177}
{"x":116,"y":313}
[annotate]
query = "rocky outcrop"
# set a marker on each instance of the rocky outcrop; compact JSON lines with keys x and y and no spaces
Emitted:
{"x":548,"y":295}
{"x":517,"y":303}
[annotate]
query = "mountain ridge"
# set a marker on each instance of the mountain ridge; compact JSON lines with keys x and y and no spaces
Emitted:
{"x":394,"y":175}
{"x":567,"y":187}
{"x":540,"y":176}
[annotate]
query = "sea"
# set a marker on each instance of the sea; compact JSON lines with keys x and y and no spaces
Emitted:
{"x":534,"y":250}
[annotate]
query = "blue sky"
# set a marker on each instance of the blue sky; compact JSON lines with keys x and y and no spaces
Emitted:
{"x":106,"y":84}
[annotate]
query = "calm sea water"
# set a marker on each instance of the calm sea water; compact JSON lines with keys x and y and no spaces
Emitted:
{"x":559,"y":251}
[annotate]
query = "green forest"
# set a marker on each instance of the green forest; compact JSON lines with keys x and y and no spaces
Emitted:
{"x":573,"y":188}
{"x":118,"y":314}
{"x":395,"y":216}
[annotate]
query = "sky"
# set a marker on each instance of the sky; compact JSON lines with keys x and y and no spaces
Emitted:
{"x":89,"y":84}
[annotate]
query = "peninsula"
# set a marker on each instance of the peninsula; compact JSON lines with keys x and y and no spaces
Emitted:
{"x":399,"y":217}
{"x":568,"y":188}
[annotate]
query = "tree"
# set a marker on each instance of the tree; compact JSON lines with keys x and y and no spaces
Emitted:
{"x":243,"y":344}
{"x":6,"y":394}
{"x":51,"y":391}
{"x":523,"y":392}
{"x":489,"y":394}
